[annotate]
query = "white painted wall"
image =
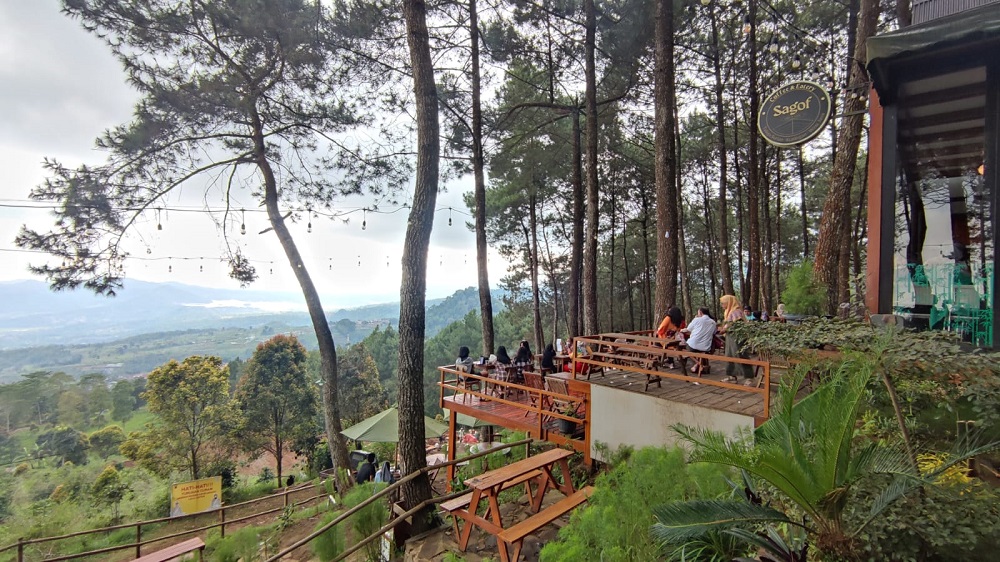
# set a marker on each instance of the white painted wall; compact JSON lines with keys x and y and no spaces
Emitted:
{"x":621,"y":417}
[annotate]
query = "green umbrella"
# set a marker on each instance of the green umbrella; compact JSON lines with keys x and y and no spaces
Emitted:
{"x":467,"y":420}
{"x":383,"y":427}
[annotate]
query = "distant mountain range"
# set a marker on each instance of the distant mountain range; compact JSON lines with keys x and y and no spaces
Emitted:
{"x":32,"y":315}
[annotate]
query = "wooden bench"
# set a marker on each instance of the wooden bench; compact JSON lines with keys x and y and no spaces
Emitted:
{"x":175,"y":551}
{"x":509,"y":540}
{"x":463,"y":501}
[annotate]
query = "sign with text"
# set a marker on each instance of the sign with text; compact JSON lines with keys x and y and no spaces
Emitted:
{"x":794,"y":113}
{"x":195,"y":496}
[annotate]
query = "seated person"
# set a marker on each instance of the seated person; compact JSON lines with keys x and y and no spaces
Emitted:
{"x":548,"y":360}
{"x":669,"y":328}
{"x":366,"y":472}
{"x":524,"y":357}
{"x":779,"y":315}
{"x":502,"y":357}
{"x":574,"y":352}
{"x":464,"y":363}
{"x":700,"y":332}
{"x":384,"y":474}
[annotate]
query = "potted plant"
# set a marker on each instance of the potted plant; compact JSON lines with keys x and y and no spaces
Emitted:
{"x":568,"y":427}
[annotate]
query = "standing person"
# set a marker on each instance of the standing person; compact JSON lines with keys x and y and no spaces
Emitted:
{"x":366,"y":472}
{"x":733,"y":313}
{"x":700,"y":332}
{"x":548,"y":360}
{"x":384,"y":474}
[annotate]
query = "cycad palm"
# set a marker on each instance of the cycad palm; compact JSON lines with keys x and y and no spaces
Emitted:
{"x":807,"y":452}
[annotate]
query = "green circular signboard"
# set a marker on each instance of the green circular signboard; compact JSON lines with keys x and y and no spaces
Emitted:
{"x":794,"y":113}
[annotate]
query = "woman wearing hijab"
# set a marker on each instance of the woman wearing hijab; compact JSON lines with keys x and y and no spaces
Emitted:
{"x":549,"y":360}
{"x":732,"y":312}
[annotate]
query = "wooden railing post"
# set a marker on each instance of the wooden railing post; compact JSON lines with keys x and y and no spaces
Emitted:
{"x":222,"y":522}
{"x":20,"y":549}
{"x":286,"y":497}
{"x":138,"y":540}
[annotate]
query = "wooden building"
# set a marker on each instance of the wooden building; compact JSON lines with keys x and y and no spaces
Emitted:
{"x":933,"y":169}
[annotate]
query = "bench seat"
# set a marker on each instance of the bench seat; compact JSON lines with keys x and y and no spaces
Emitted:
{"x":174,"y":551}
{"x":463,"y":501}
{"x":515,"y":535}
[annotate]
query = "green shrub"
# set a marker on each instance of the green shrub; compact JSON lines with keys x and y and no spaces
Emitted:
{"x":330,"y":544}
{"x":803,"y":294}
{"x":369,"y":519}
{"x":951,"y":522}
{"x":105,"y":442}
{"x":244,"y":545}
{"x":615,"y":523}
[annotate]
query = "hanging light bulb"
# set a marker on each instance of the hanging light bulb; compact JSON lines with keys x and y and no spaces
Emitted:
{"x":243,"y":221}
{"x":201,"y":269}
{"x":331,"y":263}
{"x":159,"y":225}
{"x":773,"y":47}
{"x":706,"y":2}
{"x":796,"y":62}
{"x":746,"y":25}
{"x":148,"y":252}
{"x":309,"y":225}
{"x":170,"y":269}
{"x":364,"y":221}
{"x":449,"y":216}
{"x":359,"y":261}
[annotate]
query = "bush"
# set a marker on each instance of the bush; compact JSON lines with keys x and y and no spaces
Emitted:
{"x":244,"y":544}
{"x":615,"y":523}
{"x":369,"y":519}
{"x":105,"y":442}
{"x":21,"y":469}
{"x":330,"y":544}
{"x":803,"y":294}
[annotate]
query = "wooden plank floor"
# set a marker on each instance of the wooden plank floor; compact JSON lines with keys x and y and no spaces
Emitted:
{"x":724,"y":399}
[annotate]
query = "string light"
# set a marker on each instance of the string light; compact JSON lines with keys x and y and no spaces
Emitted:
{"x":243,"y":221}
{"x":159,"y":225}
{"x":359,"y":260}
{"x":309,"y":225}
{"x":331,"y":263}
{"x":746,"y":25}
{"x":796,"y":62}
{"x":449,"y":216}
{"x":364,"y":220}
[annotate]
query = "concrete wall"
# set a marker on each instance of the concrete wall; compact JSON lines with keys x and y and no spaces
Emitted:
{"x":620,"y":417}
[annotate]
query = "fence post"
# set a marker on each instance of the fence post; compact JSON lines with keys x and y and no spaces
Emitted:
{"x":222,"y":522}
{"x":20,"y":549}
{"x":138,"y":540}
{"x":286,"y":497}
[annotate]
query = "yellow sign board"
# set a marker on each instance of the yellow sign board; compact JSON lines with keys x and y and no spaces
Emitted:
{"x":195,"y":496}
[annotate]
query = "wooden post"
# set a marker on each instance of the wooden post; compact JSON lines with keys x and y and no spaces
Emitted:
{"x":452,"y":417}
{"x":20,"y":549}
{"x":222,"y":522}
{"x":286,"y":497}
{"x":138,"y":540}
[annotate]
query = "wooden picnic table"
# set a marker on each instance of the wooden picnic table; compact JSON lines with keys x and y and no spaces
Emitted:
{"x":488,"y":485}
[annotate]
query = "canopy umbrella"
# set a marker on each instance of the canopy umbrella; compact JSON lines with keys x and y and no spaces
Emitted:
{"x":467,"y":420}
{"x":383,"y":427}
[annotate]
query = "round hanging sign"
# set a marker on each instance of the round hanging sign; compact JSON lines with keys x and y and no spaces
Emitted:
{"x":794,"y":113}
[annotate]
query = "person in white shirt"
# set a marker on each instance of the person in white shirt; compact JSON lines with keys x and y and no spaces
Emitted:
{"x":699,"y":335}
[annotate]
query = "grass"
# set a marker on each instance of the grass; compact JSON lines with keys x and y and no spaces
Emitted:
{"x":137,"y":422}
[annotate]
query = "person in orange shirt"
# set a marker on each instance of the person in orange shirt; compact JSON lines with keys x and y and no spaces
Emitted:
{"x":672,"y":323}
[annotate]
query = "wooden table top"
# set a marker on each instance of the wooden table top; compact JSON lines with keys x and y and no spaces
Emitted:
{"x":500,"y":475}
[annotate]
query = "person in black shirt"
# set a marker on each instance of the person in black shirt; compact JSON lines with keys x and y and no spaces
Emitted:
{"x":366,"y":472}
{"x":548,"y":360}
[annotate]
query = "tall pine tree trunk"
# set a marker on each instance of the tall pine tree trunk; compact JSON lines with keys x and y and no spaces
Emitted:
{"x":590,"y":244}
{"x":665,"y":163}
{"x":576,"y":257}
{"x":483,"y":275}
{"x":324,"y":336}
{"x":536,"y":303}
{"x":754,"y":180}
{"x":836,"y":208}
{"x":412,"y":292}
{"x":720,"y":119}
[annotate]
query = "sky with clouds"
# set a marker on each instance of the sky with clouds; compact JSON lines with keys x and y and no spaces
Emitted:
{"x":60,"y":88}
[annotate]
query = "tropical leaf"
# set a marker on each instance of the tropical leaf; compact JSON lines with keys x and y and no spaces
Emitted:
{"x":682,"y":521}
